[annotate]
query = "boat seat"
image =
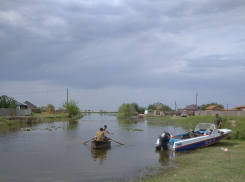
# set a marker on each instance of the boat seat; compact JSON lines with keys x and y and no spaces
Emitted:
{"x":191,"y":134}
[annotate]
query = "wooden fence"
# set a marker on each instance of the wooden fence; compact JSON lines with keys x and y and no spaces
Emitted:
{"x":14,"y":112}
{"x":221,"y":113}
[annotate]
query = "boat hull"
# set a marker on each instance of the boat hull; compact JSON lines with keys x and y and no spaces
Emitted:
{"x":199,"y":143}
{"x":100,"y":144}
{"x":205,"y":134}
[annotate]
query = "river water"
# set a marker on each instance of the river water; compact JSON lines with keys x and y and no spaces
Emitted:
{"x":59,"y":155}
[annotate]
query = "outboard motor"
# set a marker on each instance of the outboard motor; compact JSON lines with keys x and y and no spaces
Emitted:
{"x":163,"y":140}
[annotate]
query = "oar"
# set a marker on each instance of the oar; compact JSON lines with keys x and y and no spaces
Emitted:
{"x":88,"y":140}
{"x":117,"y":142}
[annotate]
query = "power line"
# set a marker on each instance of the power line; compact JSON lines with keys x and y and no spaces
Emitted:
{"x":36,"y":92}
{"x":53,"y":98}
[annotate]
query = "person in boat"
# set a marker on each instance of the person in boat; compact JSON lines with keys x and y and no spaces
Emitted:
{"x":217,"y":121}
{"x":100,"y":135}
{"x":106,"y":138}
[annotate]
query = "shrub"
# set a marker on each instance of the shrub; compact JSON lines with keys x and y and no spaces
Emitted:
{"x":72,"y":108}
{"x":125,"y":110}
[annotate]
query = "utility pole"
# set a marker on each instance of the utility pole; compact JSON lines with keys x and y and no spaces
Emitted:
{"x":175,"y":105}
{"x":47,"y":98}
{"x":196,"y":98}
{"x":227,"y":105}
{"x":67,"y":97}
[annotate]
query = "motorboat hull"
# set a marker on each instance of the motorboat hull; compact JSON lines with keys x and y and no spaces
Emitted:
{"x":204,"y":141}
{"x":205,"y":134}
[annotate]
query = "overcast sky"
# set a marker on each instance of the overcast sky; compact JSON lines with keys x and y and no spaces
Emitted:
{"x":107,"y":52}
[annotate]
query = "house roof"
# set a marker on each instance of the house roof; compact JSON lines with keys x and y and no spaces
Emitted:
{"x":29,"y":104}
{"x":155,"y":104}
{"x":18,"y":103}
{"x":211,"y":107}
{"x":230,"y":109}
{"x":239,"y":107}
{"x":192,"y":107}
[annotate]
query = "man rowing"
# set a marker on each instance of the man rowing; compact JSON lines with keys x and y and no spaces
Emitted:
{"x":106,"y":138}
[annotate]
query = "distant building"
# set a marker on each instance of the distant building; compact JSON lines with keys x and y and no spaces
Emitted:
{"x":30,"y":105}
{"x":213,"y":108}
{"x":240,"y":108}
{"x":192,"y":107}
{"x":19,"y":105}
{"x":158,"y":105}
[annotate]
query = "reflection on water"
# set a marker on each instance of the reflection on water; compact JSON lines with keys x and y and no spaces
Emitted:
{"x":99,"y":154}
{"x":72,"y":125}
{"x":165,"y":156}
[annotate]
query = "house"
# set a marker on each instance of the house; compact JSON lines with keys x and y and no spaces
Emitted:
{"x":213,"y":108}
{"x":158,"y":105}
{"x":30,"y":105}
{"x":240,"y":108}
{"x":192,"y":107}
{"x":19,"y":105}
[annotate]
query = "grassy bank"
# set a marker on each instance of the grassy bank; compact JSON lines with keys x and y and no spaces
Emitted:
{"x":208,"y":164}
{"x":235,"y":123}
{"x":34,"y":118}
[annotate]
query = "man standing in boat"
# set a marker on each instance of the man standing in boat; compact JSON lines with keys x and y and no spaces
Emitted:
{"x":106,"y":138}
{"x":218,"y":121}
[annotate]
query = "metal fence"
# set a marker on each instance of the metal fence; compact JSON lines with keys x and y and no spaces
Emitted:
{"x":221,"y":113}
{"x":14,"y":112}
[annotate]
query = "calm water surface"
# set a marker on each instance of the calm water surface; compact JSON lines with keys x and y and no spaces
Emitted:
{"x":59,"y":155}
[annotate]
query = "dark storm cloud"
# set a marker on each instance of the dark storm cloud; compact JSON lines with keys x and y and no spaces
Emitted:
{"x":95,"y":44}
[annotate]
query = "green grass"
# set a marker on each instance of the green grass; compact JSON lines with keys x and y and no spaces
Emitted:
{"x":36,"y":118}
{"x":208,"y":164}
{"x":190,"y":122}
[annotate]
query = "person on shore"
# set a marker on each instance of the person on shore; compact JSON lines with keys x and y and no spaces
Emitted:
{"x":100,"y":135}
{"x":106,"y":138}
{"x":217,"y":121}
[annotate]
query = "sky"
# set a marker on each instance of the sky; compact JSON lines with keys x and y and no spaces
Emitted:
{"x":109,"y":52}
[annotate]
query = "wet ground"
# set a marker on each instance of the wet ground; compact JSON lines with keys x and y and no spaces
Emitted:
{"x":54,"y":151}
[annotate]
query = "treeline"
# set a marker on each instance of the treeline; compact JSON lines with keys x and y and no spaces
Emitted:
{"x":127,"y":110}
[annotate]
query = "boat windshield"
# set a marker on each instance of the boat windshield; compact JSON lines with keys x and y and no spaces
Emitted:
{"x":205,"y":126}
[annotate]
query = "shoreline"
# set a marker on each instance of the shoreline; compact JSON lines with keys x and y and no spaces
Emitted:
{"x":15,"y":121}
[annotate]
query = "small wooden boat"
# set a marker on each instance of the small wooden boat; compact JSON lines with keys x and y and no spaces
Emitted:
{"x":100,"y":144}
{"x":205,"y":134}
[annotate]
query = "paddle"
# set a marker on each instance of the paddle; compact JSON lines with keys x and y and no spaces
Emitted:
{"x":117,"y":142}
{"x":88,"y":140}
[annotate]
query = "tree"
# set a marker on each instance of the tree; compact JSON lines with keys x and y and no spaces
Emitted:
{"x":43,"y":108}
{"x":125,"y":110}
{"x":166,"y":108}
{"x":71,"y":107}
{"x":141,"y":110}
{"x":203,"y":106}
{"x":138,"y":108}
{"x":151,"y":107}
{"x":7,"y":102}
{"x":50,"y":106}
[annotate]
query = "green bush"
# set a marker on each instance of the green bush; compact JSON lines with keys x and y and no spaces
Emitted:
{"x":36,"y":110}
{"x":125,"y":110}
{"x":72,"y":108}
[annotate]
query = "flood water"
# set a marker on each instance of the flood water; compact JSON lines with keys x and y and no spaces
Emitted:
{"x":60,"y":156}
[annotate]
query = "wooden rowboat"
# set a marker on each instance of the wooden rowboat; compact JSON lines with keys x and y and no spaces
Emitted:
{"x":100,"y":144}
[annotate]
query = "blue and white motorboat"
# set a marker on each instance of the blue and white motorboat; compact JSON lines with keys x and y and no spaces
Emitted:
{"x":205,"y":134}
